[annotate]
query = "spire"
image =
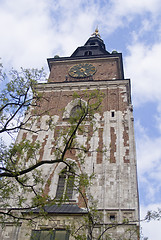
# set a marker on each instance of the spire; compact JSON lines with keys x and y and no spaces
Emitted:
{"x":93,"y":47}
{"x":96,"y":33}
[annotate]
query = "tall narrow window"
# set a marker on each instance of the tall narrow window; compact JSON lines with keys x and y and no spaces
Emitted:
{"x":61,"y":184}
{"x":65,"y":184}
{"x":112,"y":114}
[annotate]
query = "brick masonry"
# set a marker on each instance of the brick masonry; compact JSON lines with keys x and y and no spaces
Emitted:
{"x":111,"y":139}
{"x":106,"y":69}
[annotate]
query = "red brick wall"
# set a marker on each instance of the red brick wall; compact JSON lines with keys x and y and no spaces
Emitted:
{"x":105,"y":69}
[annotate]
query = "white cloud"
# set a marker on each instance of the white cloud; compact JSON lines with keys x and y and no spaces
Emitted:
{"x":143,"y":65}
{"x":149,"y":151}
{"x":33,"y":31}
{"x":136,"y":6}
{"x":25,"y":28}
{"x":120,"y":13}
{"x":149,"y":164}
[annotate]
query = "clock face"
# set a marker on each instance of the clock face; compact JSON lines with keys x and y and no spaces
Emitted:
{"x":82,"y":70}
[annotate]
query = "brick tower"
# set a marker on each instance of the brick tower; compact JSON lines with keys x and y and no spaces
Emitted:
{"x":114,"y":188}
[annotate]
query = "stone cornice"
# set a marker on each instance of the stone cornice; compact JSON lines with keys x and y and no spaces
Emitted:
{"x":81,"y":85}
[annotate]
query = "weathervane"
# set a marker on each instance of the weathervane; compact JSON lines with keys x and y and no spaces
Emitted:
{"x":96,"y":33}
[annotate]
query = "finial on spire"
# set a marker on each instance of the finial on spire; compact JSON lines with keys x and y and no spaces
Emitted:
{"x":96,"y":33}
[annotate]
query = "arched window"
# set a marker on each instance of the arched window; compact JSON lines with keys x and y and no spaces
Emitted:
{"x":72,"y":107}
{"x":65,"y":184}
{"x":75,"y":112}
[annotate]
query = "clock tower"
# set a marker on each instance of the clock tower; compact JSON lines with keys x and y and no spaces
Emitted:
{"x":114,"y":187}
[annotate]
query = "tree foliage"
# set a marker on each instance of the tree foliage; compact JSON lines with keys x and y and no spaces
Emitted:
{"x":153,"y":215}
{"x":20,"y":171}
{"x":16,"y":96}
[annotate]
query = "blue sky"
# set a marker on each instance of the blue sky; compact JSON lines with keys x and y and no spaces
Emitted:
{"x":32,"y":31}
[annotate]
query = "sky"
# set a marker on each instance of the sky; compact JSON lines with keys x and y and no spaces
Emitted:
{"x":32,"y":31}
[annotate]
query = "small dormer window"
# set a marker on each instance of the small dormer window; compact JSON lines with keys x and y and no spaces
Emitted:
{"x":88,"y":53}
